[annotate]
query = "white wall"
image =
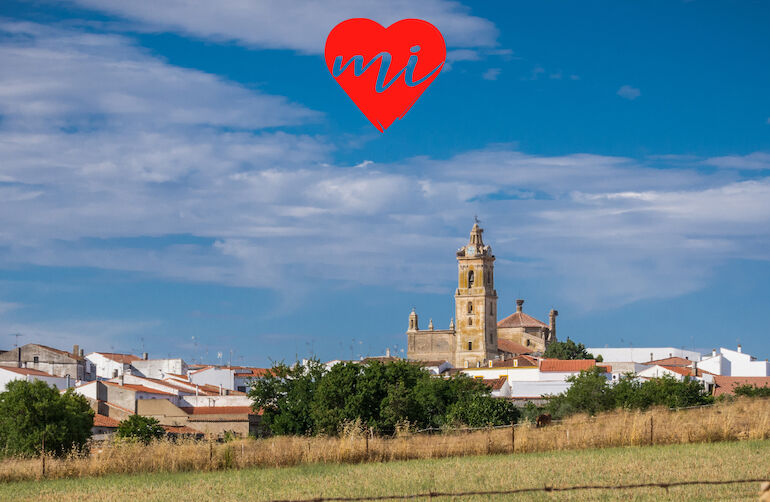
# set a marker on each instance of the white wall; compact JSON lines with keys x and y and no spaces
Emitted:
{"x":744,"y":365}
{"x":641,"y":354}
{"x":105,"y":367}
{"x":157,"y":368}
{"x":53,"y":381}
{"x":513,"y":374}
{"x":214,"y":401}
{"x":215,"y":377}
{"x":536,"y":390}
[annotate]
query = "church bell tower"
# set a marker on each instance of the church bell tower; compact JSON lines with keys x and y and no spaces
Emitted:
{"x":475,"y":303}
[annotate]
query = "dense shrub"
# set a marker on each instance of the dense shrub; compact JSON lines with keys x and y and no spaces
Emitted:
{"x":139,"y":428}
{"x":33,"y":412}
{"x":592,"y":393}
{"x":752,"y":391}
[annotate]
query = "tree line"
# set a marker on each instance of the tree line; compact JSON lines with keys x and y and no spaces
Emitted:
{"x":308,"y":399}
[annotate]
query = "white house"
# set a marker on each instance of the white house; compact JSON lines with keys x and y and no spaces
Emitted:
{"x":734,"y":363}
{"x":641,"y":354}
{"x":229,"y":377}
{"x":109,"y":365}
{"x":158,"y":368}
{"x":8,"y":374}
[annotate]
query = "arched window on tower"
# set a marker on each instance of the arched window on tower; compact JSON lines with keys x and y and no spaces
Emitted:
{"x":470,"y":279}
{"x":470,"y":307}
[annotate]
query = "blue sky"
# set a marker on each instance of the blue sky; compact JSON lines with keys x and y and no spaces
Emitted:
{"x":189,"y":179}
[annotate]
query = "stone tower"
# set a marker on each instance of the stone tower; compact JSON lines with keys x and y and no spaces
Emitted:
{"x":475,"y":303}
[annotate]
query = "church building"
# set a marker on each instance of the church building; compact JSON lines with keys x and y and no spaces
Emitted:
{"x":476,"y":337}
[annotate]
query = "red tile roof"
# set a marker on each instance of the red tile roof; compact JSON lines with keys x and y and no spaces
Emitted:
{"x":247,"y":371}
{"x":671,"y":361}
{"x":727,"y":384}
{"x":567,"y":365}
{"x":119,"y":358}
{"x":520,"y":362}
{"x":104,"y":421}
{"x":495,"y":384}
{"x":217,"y":410}
{"x":26,"y":371}
{"x":513,"y":347}
{"x":140,"y":388}
{"x":521,"y":320}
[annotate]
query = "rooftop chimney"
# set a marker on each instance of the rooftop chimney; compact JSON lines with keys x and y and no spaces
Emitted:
{"x":145,"y":356}
{"x":75,"y":351}
{"x":120,"y":380}
{"x":82,"y":352}
{"x":651,"y":356}
{"x":519,"y":303}
{"x":552,"y":319}
{"x":387,"y":352}
{"x":713,"y":352}
{"x":739,"y":348}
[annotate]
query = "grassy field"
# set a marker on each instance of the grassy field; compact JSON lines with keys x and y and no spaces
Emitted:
{"x":742,"y":420}
{"x":610,"y":466}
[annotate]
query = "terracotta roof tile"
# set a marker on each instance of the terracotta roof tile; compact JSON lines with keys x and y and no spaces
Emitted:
{"x":105,"y":421}
{"x":521,"y":320}
{"x":140,"y":388}
{"x":119,"y":358}
{"x":727,"y":384}
{"x":26,"y":371}
{"x":516,"y":362}
{"x":671,"y":361}
{"x":495,"y":384}
{"x":567,"y":365}
{"x":217,"y":410}
{"x":512,"y":347}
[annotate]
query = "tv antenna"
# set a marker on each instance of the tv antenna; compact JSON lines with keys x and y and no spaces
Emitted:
{"x":17,"y":335}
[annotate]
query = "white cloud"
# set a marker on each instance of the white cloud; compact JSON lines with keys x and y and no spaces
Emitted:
{"x":756,"y":160}
{"x":64,"y":78}
{"x":300,"y":25}
{"x":491,"y":74}
{"x":629,"y":92}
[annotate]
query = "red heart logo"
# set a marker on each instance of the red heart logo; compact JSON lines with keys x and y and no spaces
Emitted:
{"x":384,"y":70}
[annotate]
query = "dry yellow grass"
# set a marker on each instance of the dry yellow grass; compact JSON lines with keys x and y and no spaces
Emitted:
{"x":738,"y":420}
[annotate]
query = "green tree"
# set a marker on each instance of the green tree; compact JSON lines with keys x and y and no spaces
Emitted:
{"x":140,"y":428}
{"x":32,"y":411}
{"x":285,"y":396}
{"x":568,"y":350}
{"x":590,"y":392}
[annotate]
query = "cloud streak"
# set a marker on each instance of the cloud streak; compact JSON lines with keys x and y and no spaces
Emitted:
{"x":300,"y":25}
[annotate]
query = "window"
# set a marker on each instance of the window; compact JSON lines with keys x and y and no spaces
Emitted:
{"x":470,"y":345}
{"x":489,"y":278}
{"x":470,"y":279}
{"x":470,"y":307}
{"x":35,"y":359}
{"x":470,"y":321}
